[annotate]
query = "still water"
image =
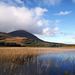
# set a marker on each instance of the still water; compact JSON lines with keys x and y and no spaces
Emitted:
{"x":47,"y":64}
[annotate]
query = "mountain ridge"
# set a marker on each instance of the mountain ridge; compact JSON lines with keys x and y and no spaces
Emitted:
{"x":22,"y":33}
{"x":24,"y":39}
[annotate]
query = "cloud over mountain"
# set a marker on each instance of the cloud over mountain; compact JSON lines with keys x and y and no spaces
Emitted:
{"x":22,"y":18}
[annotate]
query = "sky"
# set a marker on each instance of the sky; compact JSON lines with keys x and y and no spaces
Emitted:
{"x":50,"y":20}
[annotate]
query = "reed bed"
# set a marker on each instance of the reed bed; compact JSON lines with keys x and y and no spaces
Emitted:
{"x":22,"y":55}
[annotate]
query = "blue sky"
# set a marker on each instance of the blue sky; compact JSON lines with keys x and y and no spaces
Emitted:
{"x":50,"y":20}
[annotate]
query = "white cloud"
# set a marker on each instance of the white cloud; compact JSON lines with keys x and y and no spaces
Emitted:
{"x":39,"y":11}
{"x":40,"y":23}
{"x":44,"y":22}
{"x":7,"y":2}
{"x":19,"y":1}
{"x":63,"y":13}
{"x":55,"y":29}
{"x":52,"y":2}
{"x":73,"y":37}
{"x":49,"y":32}
{"x":12,"y":2}
{"x":48,"y":2}
{"x":15,"y":18}
{"x":35,"y":2}
{"x":69,"y":42}
{"x":18,"y":18}
{"x":73,"y":1}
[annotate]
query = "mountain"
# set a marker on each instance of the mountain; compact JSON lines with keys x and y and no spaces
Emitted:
{"x":19,"y":37}
{"x":24,"y":38}
{"x":22,"y":33}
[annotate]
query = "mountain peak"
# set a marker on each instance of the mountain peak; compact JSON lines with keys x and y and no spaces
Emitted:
{"x":23,"y":33}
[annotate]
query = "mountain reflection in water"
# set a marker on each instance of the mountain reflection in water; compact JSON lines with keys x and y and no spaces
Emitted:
{"x":48,"y":64}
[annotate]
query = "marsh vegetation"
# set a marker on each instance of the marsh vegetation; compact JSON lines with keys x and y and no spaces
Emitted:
{"x":36,"y":61}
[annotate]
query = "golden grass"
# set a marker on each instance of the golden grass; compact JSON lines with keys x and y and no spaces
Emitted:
{"x":24,"y":54}
{"x":32,"y":50}
{"x":17,"y":40}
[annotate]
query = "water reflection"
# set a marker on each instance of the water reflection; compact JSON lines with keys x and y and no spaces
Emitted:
{"x":49,"y":64}
{"x":58,"y":64}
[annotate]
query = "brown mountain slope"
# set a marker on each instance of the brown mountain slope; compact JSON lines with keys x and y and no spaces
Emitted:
{"x":19,"y":37}
{"x":22,"y":33}
{"x":4,"y":35}
{"x":17,"y":40}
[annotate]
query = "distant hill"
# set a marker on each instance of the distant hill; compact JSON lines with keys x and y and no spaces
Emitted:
{"x":22,"y":33}
{"x":23,"y":38}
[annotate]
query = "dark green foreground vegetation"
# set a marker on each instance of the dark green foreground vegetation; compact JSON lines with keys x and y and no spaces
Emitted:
{"x":3,"y":44}
{"x":33,"y":43}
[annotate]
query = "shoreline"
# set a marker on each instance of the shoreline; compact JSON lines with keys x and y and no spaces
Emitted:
{"x":35,"y":50}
